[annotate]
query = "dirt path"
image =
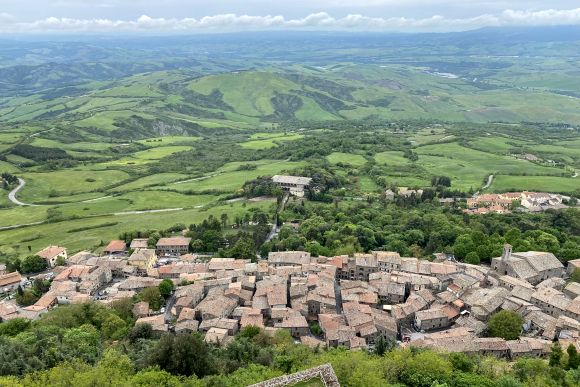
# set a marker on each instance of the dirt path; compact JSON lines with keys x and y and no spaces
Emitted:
{"x":146,"y":211}
{"x":19,"y":225}
{"x":12,"y":194}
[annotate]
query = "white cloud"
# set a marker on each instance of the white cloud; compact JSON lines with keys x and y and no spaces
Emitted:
{"x":315,"y":21}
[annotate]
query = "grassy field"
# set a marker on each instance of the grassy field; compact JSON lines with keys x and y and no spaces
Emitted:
{"x":268,"y":140}
{"x":468,"y":167}
{"x":346,"y":158}
{"x":227,"y":180}
{"x":391,"y":158}
{"x":94,"y":231}
{"x":41,"y":186}
{"x":504,"y":183}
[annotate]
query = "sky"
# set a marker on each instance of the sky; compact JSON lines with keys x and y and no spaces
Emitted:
{"x":191,"y":16}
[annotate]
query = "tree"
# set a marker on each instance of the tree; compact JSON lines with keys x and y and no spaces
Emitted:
{"x":556,"y":355}
{"x":26,"y":297}
{"x":472,"y":258}
{"x":182,"y":354}
{"x":505,"y":324}
{"x":224,"y":219}
{"x":166,"y":287}
{"x":380,"y":346}
{"x":244,"y":248}
{"x":82,"y":343}
{"x":14,"y":326}
{"x":140,"y":331}
{"x":33,"y":264}
{"x":573,"y":357}
{"x":60,"y":261}
{"x":426,"y":368}
{"x":315,"y":328}
{"x":153,"y":297}
{"x":463,"y":245}
{"x":114,"y":327}
{"x":461,"y":362}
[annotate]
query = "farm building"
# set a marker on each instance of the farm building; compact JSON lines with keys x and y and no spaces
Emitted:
{"x":295,"y":185}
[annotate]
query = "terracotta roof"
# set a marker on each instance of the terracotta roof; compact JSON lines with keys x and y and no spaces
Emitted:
{"x":10,"y":278}
{"x":173,"y":241}
{"x":139,"y":244}
{"x":115,"y":246}
{"x":51,"y":252}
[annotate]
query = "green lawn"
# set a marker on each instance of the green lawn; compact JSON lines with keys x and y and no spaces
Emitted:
{"x":346,"y":158}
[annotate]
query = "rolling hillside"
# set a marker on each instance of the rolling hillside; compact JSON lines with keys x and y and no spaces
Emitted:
{"x":271,"y":95}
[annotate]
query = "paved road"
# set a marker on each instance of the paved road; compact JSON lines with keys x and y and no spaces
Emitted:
{"x":12,"y":194}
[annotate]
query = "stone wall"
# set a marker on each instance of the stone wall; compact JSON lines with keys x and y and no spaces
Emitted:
{"x":323,"y":372}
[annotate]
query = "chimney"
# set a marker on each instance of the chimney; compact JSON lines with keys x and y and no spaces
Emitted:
{"x":507,"y":252}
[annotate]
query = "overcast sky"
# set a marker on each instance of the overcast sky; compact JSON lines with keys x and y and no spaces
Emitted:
{"x":233,"y":15}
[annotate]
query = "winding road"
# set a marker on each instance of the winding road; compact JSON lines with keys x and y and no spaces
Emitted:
{"x":12,"y":194}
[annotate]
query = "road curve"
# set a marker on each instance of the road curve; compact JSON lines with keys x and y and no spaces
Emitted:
{"x":12,"y":194}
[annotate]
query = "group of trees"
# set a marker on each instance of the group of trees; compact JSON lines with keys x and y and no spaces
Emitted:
{"x":26,"y":297}
{"x":214,"y":235}
{"x":8,"y":180}
{"x":27,"y":265}
{"x":93,"y":345}
{"x":346,"y":227}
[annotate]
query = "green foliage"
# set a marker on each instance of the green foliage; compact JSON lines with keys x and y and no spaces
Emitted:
{"x":166,"y":287}
{"x":505,"y":324}
{"x":556,"y":354}
{"x":472,"y":258}
{"x":426,"y":368}
{"x":182,"y":354}
{"x":152,"y":296}
{"x":33,"y":264}
{"x":14,"y":326}
{"x":573,"y":357}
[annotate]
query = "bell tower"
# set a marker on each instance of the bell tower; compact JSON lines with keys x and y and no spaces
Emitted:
{"x":507,"y":252}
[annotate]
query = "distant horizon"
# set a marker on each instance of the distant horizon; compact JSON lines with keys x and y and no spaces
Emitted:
{"x":442,"y":20}
{"x":66,"y":35}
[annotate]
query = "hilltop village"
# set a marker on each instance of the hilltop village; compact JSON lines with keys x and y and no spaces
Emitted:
{"x":349,"y":301}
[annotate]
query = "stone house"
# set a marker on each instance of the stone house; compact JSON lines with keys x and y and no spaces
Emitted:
{"x":429,"y":319}
{"x":172,"y":247}
{"x":531,"y":266}
{"x":52,"y":253}
{"x":10,"y":282}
